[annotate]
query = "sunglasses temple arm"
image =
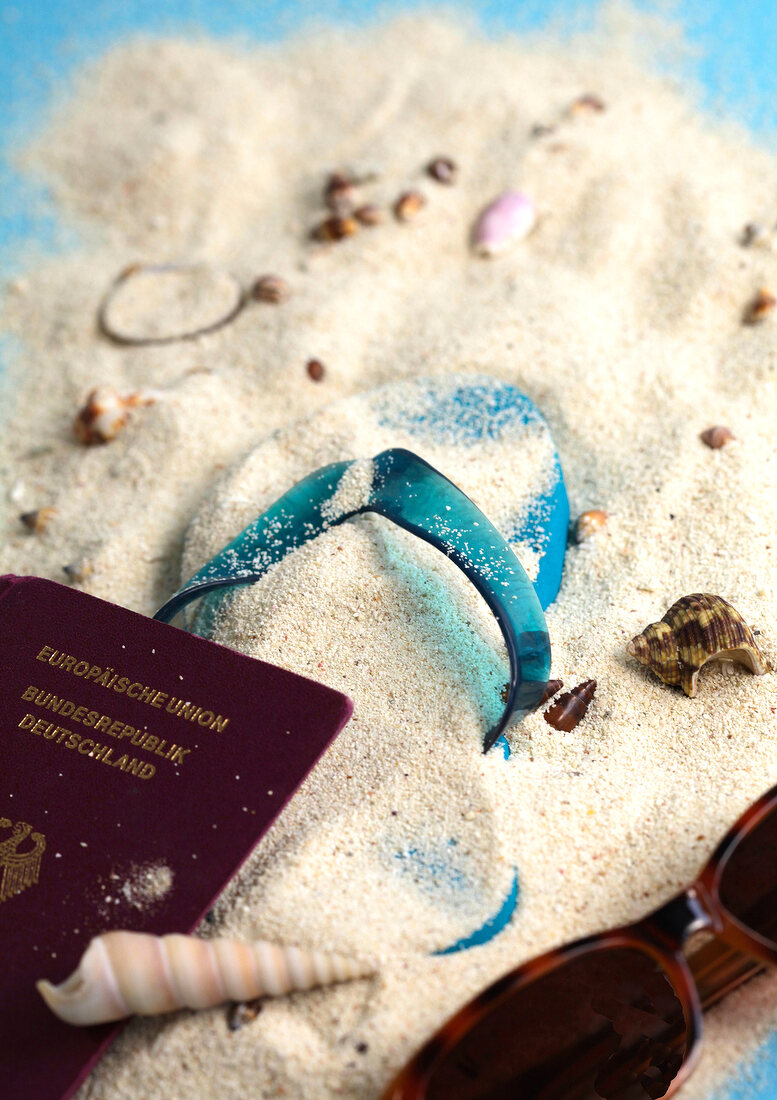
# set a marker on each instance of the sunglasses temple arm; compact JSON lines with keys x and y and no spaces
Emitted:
{"x":718,"y":969}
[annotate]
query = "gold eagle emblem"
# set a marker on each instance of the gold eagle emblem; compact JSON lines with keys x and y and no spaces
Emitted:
{"x":18,"y":870}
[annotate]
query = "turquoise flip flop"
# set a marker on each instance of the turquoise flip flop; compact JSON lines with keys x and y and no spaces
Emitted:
{"x":476,"y":418}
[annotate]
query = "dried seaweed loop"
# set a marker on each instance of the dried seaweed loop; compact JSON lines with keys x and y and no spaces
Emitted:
{"x":106,"y":329}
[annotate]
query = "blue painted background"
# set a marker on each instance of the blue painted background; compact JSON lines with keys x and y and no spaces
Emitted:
{"x":43,"y":41}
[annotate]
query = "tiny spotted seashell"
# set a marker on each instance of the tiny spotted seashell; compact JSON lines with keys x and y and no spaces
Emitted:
{"x":243,"y":1012}
{"x":759,"y":307}
{"x":340,"y":194}
{"x":335,"y":228}
{"x":754,"y":234}
{"x":38,"y":520}
{"x":78,"y":571}
{"x":588,"y":523}
{"x":409,"y":205}
{"x":716,"y":437}
{"x":105,"y":412}
{"x":695,"y":630}
{"x":587,"y":104}
{"x":503,"y":223}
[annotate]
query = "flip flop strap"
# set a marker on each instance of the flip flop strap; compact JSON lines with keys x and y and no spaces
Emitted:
{"x":414,"y":495}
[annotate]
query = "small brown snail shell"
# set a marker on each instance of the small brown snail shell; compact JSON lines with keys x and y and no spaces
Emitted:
{"x":697,"y":629}
{"x":587,"y":104}
{"x":443,"y":169}
{"x":553,"y":687}
{"x":316,"y":370}
{"x":759,"y":308}
{"x":570,"y":708}
{"x":588,"y":523}
{"x":716,"y":437}
{"x":409,"y":205}
{"x":370,"y":214}
{"x":270,"y":288}
{"x":335,"y":228}
{"x":341,"y":194}
{"x":38,"y":520}
{"x":755,"y":234}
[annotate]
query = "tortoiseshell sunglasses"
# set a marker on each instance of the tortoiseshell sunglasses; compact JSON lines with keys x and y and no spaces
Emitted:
{"x":616,"y":1016}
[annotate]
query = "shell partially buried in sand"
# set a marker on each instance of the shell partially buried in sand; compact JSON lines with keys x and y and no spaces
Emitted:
{"x":696,"y":629}
{"x":126,"y":973}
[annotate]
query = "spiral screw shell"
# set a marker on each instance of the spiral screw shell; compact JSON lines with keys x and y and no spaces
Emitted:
{"x":570,"y":708}
{"x":122,"y":973}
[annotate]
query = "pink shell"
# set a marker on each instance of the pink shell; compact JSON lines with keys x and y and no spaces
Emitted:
{"x":503,"y":222}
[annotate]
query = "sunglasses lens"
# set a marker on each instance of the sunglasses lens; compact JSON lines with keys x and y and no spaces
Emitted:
{"x":748,"y":885}
{"x":607,"y":1025}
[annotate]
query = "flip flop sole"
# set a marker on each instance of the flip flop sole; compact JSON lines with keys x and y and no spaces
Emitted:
{"x":463,"y":425}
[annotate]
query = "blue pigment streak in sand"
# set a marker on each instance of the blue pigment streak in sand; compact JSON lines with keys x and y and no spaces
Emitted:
{"x":492,"y":927}
{"x":432,"y":869}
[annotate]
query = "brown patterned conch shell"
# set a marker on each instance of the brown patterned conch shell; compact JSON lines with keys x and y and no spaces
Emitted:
{"x":122,"y":973}
{"x":695,"y":630}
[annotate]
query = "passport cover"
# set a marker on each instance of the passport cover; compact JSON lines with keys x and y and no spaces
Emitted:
{"x":139,"y":766}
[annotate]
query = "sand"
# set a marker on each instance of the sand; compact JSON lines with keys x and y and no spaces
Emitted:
{"x":620,"y":316}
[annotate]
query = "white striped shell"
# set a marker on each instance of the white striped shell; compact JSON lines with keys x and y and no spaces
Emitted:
{"x":122,"y":973}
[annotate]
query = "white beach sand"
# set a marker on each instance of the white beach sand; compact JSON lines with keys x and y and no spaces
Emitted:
{"x":620,"y":316}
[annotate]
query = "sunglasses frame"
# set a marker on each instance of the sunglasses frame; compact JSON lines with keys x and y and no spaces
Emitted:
{"x":660,"y":935}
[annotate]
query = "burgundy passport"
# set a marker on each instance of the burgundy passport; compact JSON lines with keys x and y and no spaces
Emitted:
{"x":139,"y":765}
